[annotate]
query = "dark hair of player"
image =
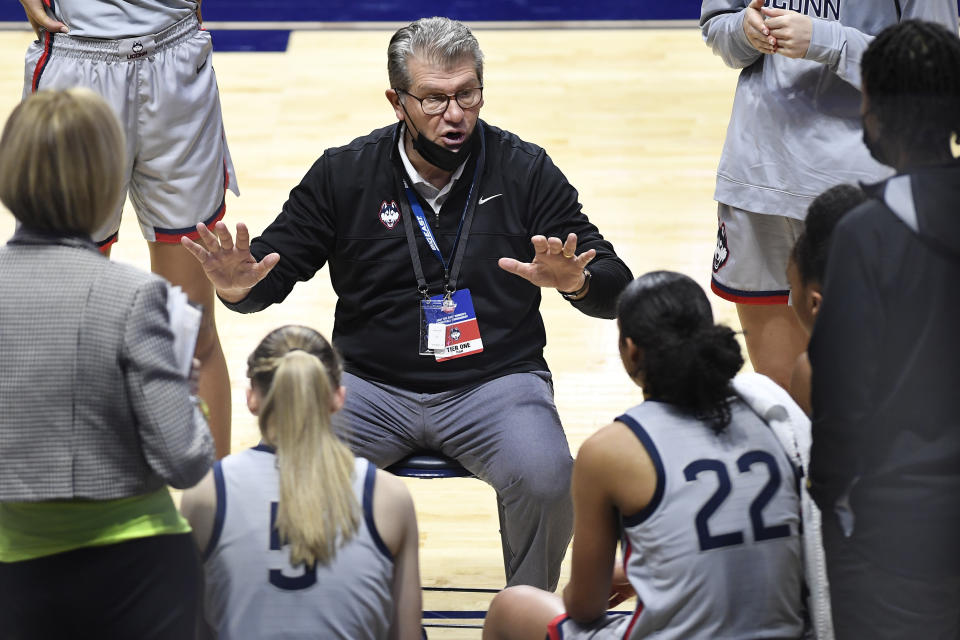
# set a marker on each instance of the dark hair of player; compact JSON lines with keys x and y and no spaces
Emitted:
{"x":687,"y":360}
{"x":813,"y":245}
{"x":911,"y":77}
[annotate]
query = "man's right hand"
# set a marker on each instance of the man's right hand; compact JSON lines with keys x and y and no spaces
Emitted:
{"x":39,"y":19}
{"x":230,"y":267}
{"x":756,"y":31}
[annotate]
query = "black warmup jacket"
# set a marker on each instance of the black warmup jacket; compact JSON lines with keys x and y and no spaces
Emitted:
{"x":334,"y":216}
{"x":886,"y":374}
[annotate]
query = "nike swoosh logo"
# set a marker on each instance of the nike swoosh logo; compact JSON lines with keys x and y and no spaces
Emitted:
{"x":488,"y":198}
{"x":200,"y":68}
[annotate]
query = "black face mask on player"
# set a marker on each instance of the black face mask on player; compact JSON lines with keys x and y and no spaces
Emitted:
{"x":438,"y":155}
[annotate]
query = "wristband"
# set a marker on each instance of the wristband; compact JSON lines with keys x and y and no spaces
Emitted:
{"x":576,"y":295}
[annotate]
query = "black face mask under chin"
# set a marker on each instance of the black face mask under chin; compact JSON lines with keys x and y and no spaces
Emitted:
{"x":436,"y":154}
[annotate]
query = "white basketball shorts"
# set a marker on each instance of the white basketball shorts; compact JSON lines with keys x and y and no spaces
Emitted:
{"x":164,"y":91}
{"x":750,"y":259}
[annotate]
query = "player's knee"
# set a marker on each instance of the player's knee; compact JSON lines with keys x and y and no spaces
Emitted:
{"x":498,"y":614}
{"x":506,"y":608}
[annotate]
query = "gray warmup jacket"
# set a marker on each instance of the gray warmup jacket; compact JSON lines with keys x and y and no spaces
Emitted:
{"x":795,"y":128}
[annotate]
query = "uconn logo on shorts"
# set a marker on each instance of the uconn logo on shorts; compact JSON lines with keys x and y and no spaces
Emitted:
{"x":133,"y":48}
{"x":389,"y":214}
{"x":136,"y":51}
{"x":722,"y":252}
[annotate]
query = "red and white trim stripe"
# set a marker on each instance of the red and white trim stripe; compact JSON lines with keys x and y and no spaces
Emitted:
{"x":42,"y":62}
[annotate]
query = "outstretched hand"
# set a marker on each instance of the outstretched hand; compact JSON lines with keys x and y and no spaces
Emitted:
{"x":554,"y":265}
{"x":229,"y":266}
{"x":39,"y":19}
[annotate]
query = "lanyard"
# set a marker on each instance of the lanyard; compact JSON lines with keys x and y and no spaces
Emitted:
{"x":451,"y":268}
{"x":427,"y":231}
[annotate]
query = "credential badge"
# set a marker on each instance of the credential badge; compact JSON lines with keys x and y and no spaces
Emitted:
{"x":389,"y":214}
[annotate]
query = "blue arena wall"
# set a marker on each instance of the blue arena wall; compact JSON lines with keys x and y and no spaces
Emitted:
{"x":399,"y":11}
{"x":465,"y":10}
{"x":282,"y":15}
{"x":405,"y":11}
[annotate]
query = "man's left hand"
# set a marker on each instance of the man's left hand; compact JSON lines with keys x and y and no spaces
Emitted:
{"x":555,"y":264}
{"x":791,"y":29}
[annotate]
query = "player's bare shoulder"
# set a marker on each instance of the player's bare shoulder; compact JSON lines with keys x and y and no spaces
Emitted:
{"x":393,"y":510}
{"x":612,"y":454}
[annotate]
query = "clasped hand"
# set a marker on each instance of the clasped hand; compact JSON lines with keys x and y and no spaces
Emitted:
{"x":555,"y":263}
{"x":780,"y":31}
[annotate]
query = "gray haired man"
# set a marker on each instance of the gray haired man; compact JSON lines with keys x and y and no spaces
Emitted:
{"x":440,"y":232}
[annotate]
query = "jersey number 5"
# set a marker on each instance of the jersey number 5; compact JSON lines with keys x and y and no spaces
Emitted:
{"x":278,"y":578}
{"x":744,"y":464}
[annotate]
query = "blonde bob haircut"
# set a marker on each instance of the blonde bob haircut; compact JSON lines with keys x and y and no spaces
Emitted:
{"x":62,"y":160}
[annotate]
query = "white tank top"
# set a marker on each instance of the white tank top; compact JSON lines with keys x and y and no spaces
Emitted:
{"x":716,"y":553}
{"x":113,"y":19}
{"x":253,"y":592}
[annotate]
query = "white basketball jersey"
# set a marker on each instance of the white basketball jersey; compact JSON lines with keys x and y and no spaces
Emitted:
{"x":253,"y":592}
{"x":112,"y":19}
{"x":716,"y":553}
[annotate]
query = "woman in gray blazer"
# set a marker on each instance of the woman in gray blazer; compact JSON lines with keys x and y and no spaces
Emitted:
{"x":96,"y":418}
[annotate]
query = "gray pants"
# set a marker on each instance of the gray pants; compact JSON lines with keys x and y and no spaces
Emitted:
{"x":505,"y":431}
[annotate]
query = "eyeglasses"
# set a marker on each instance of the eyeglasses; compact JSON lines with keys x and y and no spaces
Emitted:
{"x":437,"y":103}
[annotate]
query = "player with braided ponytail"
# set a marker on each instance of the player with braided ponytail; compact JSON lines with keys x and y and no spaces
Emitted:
{"x":912,"y":81}
{"x":342,"y":558}
{"x":885,"y":460}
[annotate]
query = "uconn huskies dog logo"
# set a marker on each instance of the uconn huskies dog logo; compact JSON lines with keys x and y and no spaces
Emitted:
{"x":389,"y":214}
{"x":132,"y":49}
{"x":722,"y":252}
{"x":136,"y":51}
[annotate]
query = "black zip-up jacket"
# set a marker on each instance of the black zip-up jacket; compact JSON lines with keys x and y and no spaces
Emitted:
{"x":334,"y":216}
{"x":886,"y":374}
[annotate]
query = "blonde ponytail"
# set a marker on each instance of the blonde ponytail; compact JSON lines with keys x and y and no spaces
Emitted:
{"x":318,"y":510}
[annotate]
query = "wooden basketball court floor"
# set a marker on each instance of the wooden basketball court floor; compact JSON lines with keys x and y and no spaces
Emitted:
{"x":635,"y":118}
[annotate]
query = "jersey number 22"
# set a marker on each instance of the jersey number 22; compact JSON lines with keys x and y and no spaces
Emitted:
{"x":745,"y":462}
